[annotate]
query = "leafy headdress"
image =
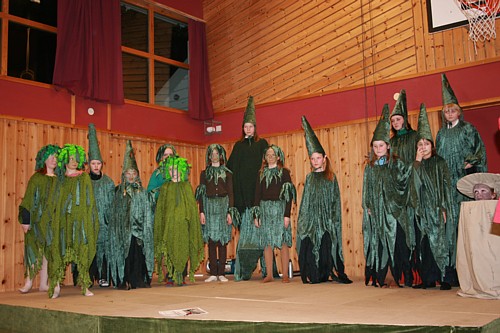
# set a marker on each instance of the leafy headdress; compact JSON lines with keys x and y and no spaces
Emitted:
{"x":71,"y":150}
{"x":176,"y":163}
{"x":312,"y":143}
{"x":383,"y":129}
{"x":220,"y":150}
{"x":94,"y":151}
{"x":424,"y":129}
{"x":161,"y":151}
{"x":43,"y":154}
{"x":277,"y":151}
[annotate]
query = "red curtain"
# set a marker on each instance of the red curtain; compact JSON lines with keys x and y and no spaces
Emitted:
{"x":200,"y":94}
{"x":88,"y":56}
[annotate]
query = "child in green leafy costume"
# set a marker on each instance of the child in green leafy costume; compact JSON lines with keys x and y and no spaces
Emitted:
{"x":217,"y":211}
{"x":460,"y":144}
{"x":384,"y":184}
{"x":77,"y":227}
{"x":104,"y":191}
{"x":274,"y":195}
{"x":431,"y":183}
{"x":131,"y":229}
{"x":36,"y":213}
{"x":319,"y":227}
{"x":177,"y":229}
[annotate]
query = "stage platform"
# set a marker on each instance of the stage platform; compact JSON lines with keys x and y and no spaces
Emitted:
{"x":250,"y":306}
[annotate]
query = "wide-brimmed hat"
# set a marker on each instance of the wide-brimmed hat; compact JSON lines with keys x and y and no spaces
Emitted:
{"x":466,"y":184}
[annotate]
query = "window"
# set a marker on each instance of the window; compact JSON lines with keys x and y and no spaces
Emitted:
{"x":155,"y":57}
{"x":31,"y":39}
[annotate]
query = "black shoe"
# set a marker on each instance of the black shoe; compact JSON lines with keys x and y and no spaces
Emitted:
{"x":445,"y":286}
{"x":418,"y":286}
{"x":344,"y":279}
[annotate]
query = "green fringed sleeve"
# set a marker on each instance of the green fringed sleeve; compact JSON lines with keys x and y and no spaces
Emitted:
{"x":288,"y":192}
{"x":235,"y":216}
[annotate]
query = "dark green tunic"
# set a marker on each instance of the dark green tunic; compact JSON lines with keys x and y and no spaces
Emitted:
{"x":40,"y":201}
{"x":432,"y":185}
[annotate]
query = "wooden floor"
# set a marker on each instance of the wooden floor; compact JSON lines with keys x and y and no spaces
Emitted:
{"x":276,"y":302}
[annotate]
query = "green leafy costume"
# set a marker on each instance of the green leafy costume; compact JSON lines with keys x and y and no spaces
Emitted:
{"x":77,"y":223}
{"x":38,"y":210}
{"x":216,"y":208}
{"x":177,"y":228}
{"x":273,"y":198}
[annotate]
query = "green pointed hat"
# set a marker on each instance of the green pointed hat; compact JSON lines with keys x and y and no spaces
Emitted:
{"x":448,"y":94}
{"x":424,"y":129}
{"x":400,"y":108}
{"x":383,"y":129}
{"x":94,"y":152}
{"x":312,"y":143}
{"x":129,"y":159}
{"x":249,"y":116}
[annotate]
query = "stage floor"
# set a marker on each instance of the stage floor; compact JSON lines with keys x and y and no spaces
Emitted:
{"x":253,"y":301}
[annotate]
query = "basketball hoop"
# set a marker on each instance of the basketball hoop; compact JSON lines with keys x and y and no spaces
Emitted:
{"x":481,"y":15}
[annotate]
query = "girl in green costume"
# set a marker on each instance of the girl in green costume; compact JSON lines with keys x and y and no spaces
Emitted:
{"x":385,"y":179}
{"x":403,"y":144}
{"x":216,"y":204}
{"x":319,"y":227}
{"x":104,"y":191}
{"x":36,"y":214}
{"x":461,"y":146}
{"x":177,"y":229}
{"x":273,"y":204}
{"x":434,"y":208}
{"x":75,"y":234}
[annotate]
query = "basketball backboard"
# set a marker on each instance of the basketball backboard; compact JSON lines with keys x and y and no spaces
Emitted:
{"x":444,"y":14}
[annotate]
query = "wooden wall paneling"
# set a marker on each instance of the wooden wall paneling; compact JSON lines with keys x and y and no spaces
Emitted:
{"x":420,"y":29}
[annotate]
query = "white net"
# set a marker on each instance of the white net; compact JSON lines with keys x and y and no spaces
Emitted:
{"x":481,"y":15}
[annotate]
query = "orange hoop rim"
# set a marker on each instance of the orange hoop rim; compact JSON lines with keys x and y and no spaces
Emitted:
{"x":490,"y":7}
